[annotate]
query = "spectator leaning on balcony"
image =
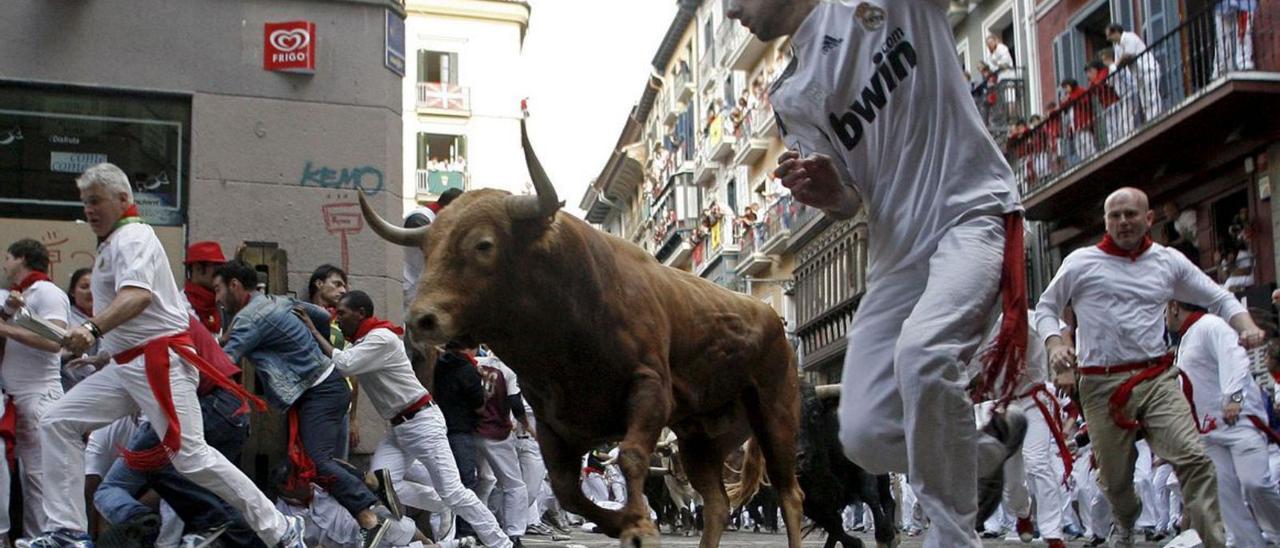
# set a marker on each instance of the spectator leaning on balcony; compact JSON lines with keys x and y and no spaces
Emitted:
{"x":1180,"y":231}
{"x":1079,"y":115}
{"x":1233,"y":23}
{"x":997,"y":57}
{"x":1126,"y":108}
{"x":1103,"y":97}
{"x":1129,"y":49}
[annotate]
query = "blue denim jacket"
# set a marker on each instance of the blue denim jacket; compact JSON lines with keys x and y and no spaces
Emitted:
{"x":287,"y":357}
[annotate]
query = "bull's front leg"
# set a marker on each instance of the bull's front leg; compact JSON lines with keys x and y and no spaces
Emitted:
{"x":648,"y":408}
{"x":564,"y":469}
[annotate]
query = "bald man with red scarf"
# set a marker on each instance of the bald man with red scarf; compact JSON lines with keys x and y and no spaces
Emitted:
{"x":1126,"y":381}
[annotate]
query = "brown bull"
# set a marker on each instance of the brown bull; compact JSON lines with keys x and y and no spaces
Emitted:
{"x":609,"y":345}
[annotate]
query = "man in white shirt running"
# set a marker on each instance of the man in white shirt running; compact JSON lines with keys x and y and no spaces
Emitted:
{"x":377,"y":358}
{"x":32,"y":368}
{"x":875,"y":114}
{"x":1229,"y":412}
{"x":1118,"y":290}
{"x":141,"y":320}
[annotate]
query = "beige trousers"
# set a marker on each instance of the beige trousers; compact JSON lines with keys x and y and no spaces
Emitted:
{"x":1166,"y":422}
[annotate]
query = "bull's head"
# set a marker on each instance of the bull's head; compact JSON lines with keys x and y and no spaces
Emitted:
{"x":472,"y":251}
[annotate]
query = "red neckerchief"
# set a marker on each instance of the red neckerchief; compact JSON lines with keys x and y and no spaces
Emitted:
{"x":130,"y":216}
{"x":333,"y":313}
{"x":1108,"y":246}
{"x":205,"y":304}
{"x":1187,"y":323}
{"x":435,"y":207}
{"x":29,"y":280}
{"x":374,"y":322}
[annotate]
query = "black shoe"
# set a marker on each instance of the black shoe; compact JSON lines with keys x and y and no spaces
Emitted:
{"x":515,"y":542}
{"x":387,"y":493}
{"x":1010,"y":427}
{"x":1095,"y":542}
{"x":372,"y":536}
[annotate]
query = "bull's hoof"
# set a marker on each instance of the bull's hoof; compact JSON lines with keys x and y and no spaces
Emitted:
{"x":640,"y":537}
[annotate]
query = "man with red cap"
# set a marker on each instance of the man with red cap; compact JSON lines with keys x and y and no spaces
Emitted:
{"x":203,"y":258}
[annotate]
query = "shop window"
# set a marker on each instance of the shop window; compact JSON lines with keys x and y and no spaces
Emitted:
{"x":48,"y":136}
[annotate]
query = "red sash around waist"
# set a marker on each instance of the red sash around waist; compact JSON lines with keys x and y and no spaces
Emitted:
{"x":156,"y":352}
{"x":1147,"y":370}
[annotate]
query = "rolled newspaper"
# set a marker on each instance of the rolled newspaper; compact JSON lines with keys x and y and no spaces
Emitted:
{"x":38,"y":325}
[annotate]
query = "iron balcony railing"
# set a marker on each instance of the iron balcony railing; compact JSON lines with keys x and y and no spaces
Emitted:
{"x":1202,"y":52}
{"x":1001,"y":105}
{"x":436,"y":181}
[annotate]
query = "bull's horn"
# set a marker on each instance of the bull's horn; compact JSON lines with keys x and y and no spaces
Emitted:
{"x":545,"y":203}
{"x":408,"y":237}
{"x":827,"y":391}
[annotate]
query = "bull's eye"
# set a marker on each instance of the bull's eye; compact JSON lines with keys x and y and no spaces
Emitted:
{"x":484,"y":246}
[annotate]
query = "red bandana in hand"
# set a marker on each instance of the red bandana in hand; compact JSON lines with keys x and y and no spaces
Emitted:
{"x":28,"y":281}
{"x":374,"y":322}
{"x":1108,"y":246}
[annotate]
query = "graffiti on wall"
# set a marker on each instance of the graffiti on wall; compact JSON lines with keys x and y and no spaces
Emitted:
{"x":367,"y":179}
{"x":342,"y":219}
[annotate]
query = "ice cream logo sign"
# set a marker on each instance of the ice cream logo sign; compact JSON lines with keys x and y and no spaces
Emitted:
{"x":289,"y":47}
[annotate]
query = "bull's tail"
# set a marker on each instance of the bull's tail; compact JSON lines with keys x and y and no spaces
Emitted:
{"x":751,"y":478}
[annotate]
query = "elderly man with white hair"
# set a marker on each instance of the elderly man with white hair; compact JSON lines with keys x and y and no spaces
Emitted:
{"x":140,"y":319}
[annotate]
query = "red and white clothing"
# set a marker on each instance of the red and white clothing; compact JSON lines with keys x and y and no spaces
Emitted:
{"x":1120,"y":302}
{"x":32,"y":378}
{"x":1211,"y":357}
{"x":378,"y":360}
{"x":131,"y":256}
{"x":498,"y":445}
{"x":1039,"y":468}
{"x":876,"y":87}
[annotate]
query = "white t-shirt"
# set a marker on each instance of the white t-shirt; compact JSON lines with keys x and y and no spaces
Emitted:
{"x":28,"y":370}
{"x":133,"y":257}
{"x":386,"y":377}
{"x":1130,"y":45}
{"x":1211,"y":356}
{"x":1120,"y":303}
{"x":999,"y":61}
{"x":877,"y":88}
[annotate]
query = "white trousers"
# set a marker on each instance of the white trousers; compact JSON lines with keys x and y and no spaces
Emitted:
{"x":122,"y":389}
{"x":1234,"y":50}
{"x":329,"y":525}
{"x":594,"y":488}
{"x":504,"y":460}
{"x":424,"y":441}
{"x":31,"y":407}
{"x":1245,"y":482}
{"x":533,"y":470}
{"x":1143,"y":484}
{"x":1041,"y":468}
{"x":1167,"y":496}
{"x":904,"y":406}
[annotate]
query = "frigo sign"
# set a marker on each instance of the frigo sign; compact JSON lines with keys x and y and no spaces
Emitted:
{"x":289,"y":47}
